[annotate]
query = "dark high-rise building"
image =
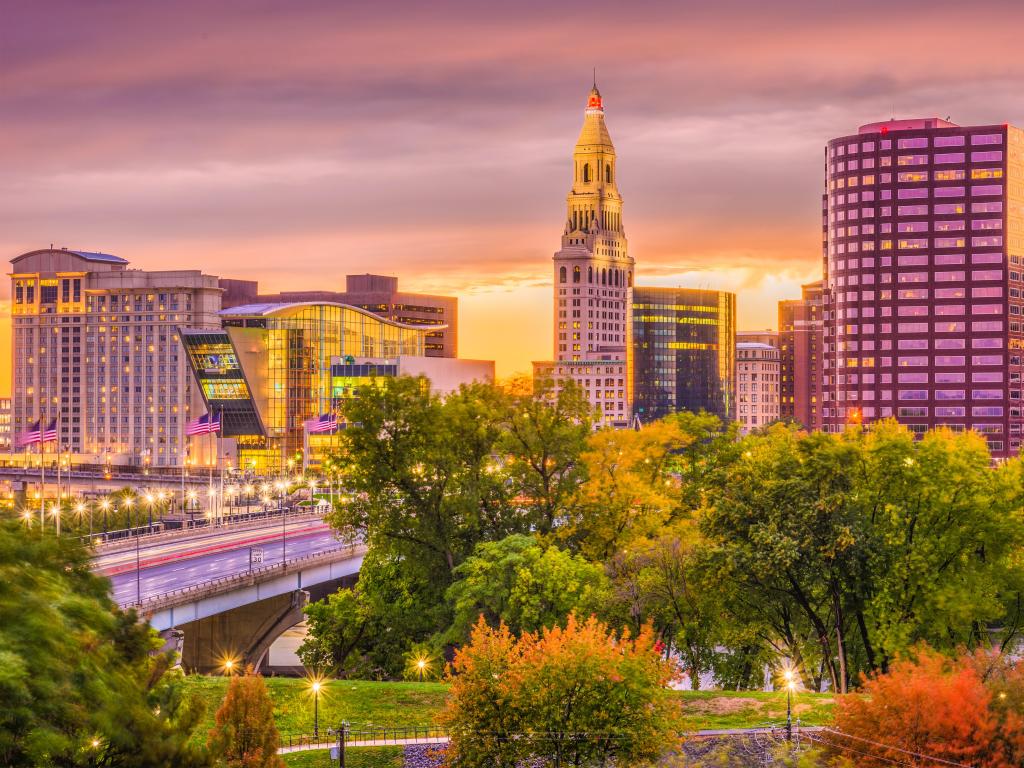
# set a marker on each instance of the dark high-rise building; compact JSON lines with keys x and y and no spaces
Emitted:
{"x":684,"y":344}
{"x":800,"y":349}
{"x":924,"y":235}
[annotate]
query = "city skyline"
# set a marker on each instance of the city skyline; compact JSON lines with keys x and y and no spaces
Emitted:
{"x":266,"y":142}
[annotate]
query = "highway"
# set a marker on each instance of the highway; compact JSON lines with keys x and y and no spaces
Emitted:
{"x":195,"y":558}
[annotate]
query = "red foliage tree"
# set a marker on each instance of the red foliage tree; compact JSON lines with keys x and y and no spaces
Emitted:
{"x":965,"y":710}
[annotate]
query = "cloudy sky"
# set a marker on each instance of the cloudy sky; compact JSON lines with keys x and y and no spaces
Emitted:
{"x":294,"y":142}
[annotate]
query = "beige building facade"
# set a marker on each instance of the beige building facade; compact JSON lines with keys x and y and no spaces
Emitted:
{"x":593,"y":280}
{"x":757,"y":385}
{"x":96,"y":346}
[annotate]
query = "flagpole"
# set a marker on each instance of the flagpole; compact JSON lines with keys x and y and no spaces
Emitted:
{"x":42,"y":478}
{"x":220,"y":469}
{"x":57,"y":516}
{"x":209,"y":482}
{"x":305,"y":446}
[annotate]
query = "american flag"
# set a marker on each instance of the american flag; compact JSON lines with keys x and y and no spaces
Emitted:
{"x":205,"y":425}
{"x":32,"y":435}
{"x":325,"y":422}
{"x":50,"y":433}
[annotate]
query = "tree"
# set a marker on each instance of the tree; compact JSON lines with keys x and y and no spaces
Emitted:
{"x":661,"y":581}
{"x":81,"y":683}
{"x":581,"y":695}
{"x":544,"y":436}
{"x":628,"y":492}
{"x":841,"y":551}
{"x":524,"y":584}
{"x":246,"y":735}
{"x":937,"y":707}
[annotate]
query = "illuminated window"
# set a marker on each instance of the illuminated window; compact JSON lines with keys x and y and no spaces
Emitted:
{"x":950,"y":175}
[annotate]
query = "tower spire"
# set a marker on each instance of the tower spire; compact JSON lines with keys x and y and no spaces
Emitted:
{"x":595,"y":78}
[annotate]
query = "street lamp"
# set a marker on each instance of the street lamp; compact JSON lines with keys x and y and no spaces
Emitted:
{"x":105,"y":506}
{"x":192,"y":496}
{"x":315,"y":687}
{"x":421,"y":664}
{"x":150,"y":500}
{"x":80,"y":510}
{"x":55,"y":511}
{"x":27,"y":517}
{"x":281,"y":486}
{"x":789,"y":678}
{"x":127,"y":504}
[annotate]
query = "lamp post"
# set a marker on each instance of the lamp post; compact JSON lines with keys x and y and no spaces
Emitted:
{"x":315,"y":687}
{"x":80,"y":510}
{"x":105,"y":506}
{"x":55,"y":511}
{"x":192,"y":496}
{"x":421,"y":664}
{"x":790,"y":679}
{"x":128,"y":501}
{"x":281,"y":486}
{"x":150,"y":499}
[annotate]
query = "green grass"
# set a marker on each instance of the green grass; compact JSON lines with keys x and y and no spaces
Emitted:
{"x":366,"y":704}
{"x":362,"y":703}
{"x":368,"y":757}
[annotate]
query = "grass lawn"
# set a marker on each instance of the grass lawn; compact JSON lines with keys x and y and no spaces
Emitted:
{"x":365,"y":704}
{"x":362,"y":703}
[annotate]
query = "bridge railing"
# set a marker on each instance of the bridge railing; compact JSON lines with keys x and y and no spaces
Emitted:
{"x":238,"y":522}
{"x":214,"y":586}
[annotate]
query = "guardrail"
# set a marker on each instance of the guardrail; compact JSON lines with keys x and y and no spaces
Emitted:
{"x":127,"y":540}
{"x":211,"y":587}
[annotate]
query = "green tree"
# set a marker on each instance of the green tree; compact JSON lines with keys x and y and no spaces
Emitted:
{"x":524,"y":584}
{"x":543,"y":438}
{"x":662,"y":581}
{"x":245,"y":735}
{"x":80,"y":682}
{"x":844,"y":550}
{"x":581,"y":695}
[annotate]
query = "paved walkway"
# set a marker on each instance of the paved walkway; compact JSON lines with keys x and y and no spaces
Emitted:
{"x":381,"y":742}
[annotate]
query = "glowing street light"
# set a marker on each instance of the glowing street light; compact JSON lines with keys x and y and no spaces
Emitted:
{"x":789,"y":680}
{"x":314,"y":686}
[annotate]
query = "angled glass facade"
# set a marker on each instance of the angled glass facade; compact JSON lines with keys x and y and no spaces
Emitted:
{"x":684,"y":343}
{"x":288,"y":363}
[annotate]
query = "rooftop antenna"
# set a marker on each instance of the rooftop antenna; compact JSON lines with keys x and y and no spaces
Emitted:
{"x":595,"y":77}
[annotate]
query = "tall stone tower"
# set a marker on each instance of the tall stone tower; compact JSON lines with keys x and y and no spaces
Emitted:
{"x":593,"y":279}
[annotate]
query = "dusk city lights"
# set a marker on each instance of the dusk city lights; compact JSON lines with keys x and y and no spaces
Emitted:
{"x":479,"y":385}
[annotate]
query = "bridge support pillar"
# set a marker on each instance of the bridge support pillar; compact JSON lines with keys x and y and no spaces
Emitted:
{"x":243,"y":634}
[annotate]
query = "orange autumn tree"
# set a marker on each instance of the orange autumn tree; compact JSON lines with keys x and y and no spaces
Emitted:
{"x":579,"y":696}
{"x":966,"y":711}
{"x":245,"y":735}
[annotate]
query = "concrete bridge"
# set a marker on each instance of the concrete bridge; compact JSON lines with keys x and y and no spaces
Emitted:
{"x":227,"y":594}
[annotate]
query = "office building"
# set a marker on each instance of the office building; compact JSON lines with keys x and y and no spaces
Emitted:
{"x":266,"y":369}
{"x":800,"y":356}
{"x":593,"y":280}
{"x":6,"y":436}
{"x":378,"y":294}
{"x":95,"y":346}
{"x":684,"y":352}
{"x":757,"y":385}
{"x":924,"y":233}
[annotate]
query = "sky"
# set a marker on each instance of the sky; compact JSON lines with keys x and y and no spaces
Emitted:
{"x":295,"y":142}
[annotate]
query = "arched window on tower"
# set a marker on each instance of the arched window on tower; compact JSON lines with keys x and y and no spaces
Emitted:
{"x":590,"y":274}
{"x":629,"y":279}
{"x":586,"y":173}
{"x":616,"y":273}
{"x":575,"y":274}
{"x":608,"y":172}
{"x":604,"y":277}
{"x":561,"y":274}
